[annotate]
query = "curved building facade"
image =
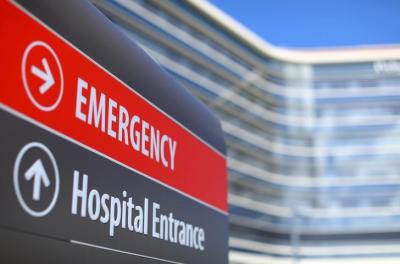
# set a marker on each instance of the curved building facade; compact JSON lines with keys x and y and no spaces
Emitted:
{"x":313,"y":136}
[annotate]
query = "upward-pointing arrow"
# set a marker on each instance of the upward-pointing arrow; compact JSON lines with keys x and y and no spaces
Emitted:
{"x":45,"y":75}
{"x":39,"y":175}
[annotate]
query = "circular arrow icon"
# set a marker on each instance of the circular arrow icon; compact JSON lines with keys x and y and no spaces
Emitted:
{"x":36,"y":179}
{"x":42,"y":76}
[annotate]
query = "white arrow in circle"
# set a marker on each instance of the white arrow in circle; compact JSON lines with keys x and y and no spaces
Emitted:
{"x":45,"y":75}
{"x":37,"y":171}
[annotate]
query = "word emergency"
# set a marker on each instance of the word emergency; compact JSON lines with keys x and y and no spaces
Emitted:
{"x":101,"y":111}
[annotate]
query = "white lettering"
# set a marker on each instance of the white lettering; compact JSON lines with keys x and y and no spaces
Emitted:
{"x":164,"y":139}
{"x":156,"y":220}
{"x":98,"y":111}
{"x":94,"y":204}
{"x":172,"y":151}
{"x":123,"y":124}
{"x":80,"y":99}
{"x":102,"y":112}
{"x":145,"y":138}
{"x":111,"y":117}
{"x":79,"y":193}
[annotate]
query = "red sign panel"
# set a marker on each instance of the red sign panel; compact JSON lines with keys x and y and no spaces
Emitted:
{"x":54,"y":83}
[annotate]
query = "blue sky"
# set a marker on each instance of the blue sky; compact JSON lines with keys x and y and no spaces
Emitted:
{"x":318,"y":23}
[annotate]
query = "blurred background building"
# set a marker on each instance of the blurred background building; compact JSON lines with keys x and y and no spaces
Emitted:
{"x":313,"y":136}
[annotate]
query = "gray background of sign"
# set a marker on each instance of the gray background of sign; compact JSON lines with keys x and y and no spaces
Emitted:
{"x":107,"y":177}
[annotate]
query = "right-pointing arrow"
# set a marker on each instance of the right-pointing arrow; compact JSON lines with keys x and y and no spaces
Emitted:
{"x":39,"y":175}
{"x":45,"y":75}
